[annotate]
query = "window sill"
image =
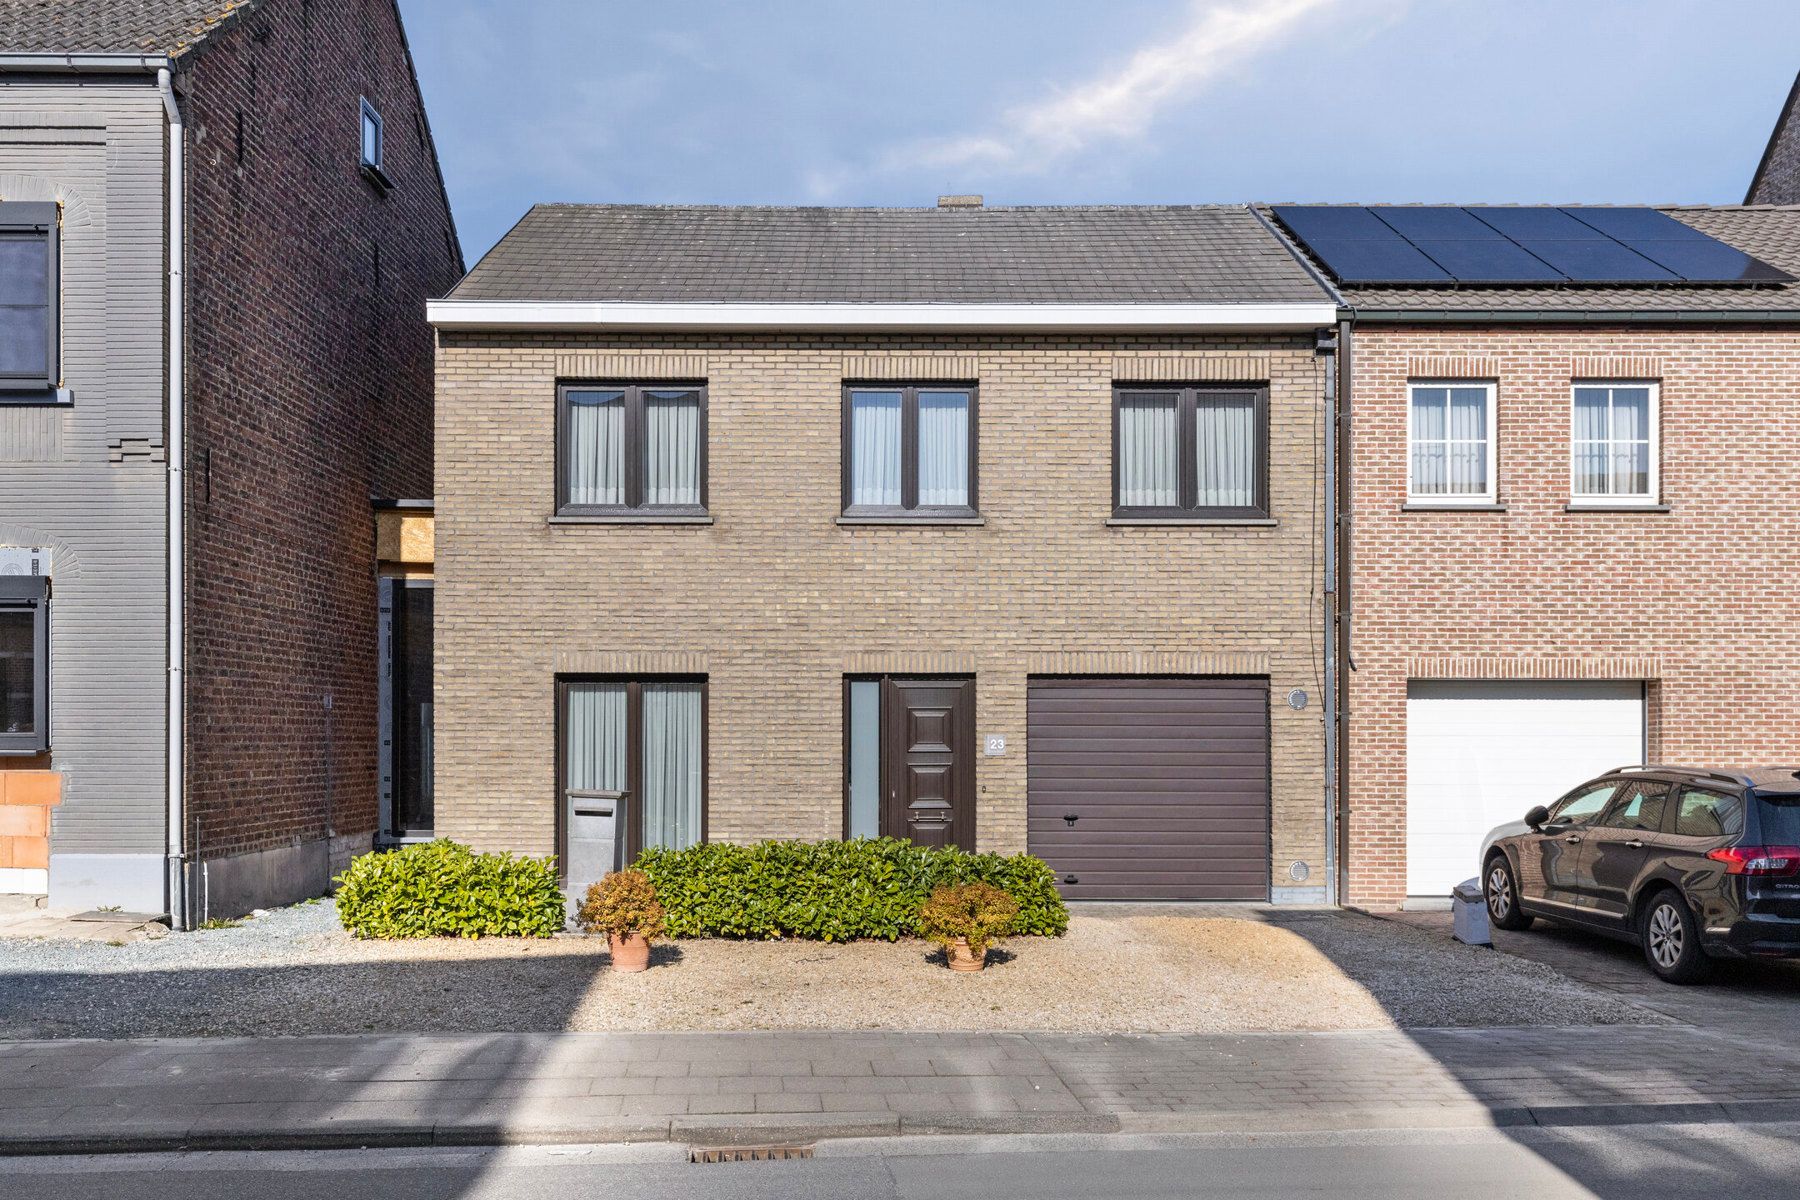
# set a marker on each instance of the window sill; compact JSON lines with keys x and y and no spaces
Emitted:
{"x":1574,"y":507}
{"x":854,"y":521}
{"x":376,"y":176}
{"x":1482,"y":507}
{"x":60,"y":397}
{"x":1188,"y":522}
{"x":631,"y":519}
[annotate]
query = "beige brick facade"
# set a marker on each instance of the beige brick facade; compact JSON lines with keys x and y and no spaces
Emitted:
{"x":1696,"y":602}
{"x":775,"y":602}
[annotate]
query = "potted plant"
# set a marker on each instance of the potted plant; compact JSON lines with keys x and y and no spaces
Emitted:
{"x":965,"y":919}
{"x":624,"y":907}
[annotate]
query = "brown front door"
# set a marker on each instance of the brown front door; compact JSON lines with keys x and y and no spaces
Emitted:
{"x":930,"y":761}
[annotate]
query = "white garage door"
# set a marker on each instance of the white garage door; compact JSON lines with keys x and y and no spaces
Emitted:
{"x":1480,"y":754}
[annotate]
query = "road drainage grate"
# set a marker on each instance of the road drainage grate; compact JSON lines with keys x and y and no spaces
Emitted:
{"x":732,"y":1154}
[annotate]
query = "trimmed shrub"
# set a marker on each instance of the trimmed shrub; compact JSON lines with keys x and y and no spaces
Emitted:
{"x":835,"y":891}
{"x":978,"y":913}
{"x":623,"y":903}
{"x":445,"y":889}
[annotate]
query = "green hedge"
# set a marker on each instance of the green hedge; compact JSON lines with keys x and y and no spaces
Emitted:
{"x":834,"y":891}
{"x":444,"y":889}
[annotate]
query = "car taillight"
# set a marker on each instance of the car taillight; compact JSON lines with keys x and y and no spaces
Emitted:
{"x":1758,"y":860}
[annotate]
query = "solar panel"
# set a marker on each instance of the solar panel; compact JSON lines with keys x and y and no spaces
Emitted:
{"x":1355,"y":244}
{"x":1681,"y":248}
{"x":1434,"y":245}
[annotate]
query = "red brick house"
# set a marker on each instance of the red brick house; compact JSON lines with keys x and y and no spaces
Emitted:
{"x":1569,"y":513}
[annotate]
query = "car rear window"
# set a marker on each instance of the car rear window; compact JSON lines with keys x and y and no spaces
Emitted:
{"x":1780,"y":819}
{"x":1708,"y":814}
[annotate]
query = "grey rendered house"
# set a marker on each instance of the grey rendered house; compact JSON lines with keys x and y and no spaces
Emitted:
{"x":212,"y":360}
{"x":994,"y":527}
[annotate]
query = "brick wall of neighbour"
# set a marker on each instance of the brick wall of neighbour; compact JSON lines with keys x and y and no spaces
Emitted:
{"x":1779,"y":180}
{"x":775,"y":603}
{"x":1696,"y":601}
{"x":309,"y":380}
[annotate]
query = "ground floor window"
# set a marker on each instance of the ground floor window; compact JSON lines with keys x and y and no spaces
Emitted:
{"x":24,"y":665}
{"x":635,"y":748}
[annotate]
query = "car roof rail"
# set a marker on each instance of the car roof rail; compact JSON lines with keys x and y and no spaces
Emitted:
{"x":1735,"y":778}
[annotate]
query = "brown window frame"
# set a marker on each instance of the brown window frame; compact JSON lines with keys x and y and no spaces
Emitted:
{"x":637,"y":448}
{"x":634,"y":757}
{"x":1187,"y":396}
{"x":909,"y":507}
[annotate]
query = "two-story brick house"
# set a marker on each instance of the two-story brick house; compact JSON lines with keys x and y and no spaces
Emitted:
{"x":994,"y":527}
{"x":218,"y":224}
{"x":1568,"y":513}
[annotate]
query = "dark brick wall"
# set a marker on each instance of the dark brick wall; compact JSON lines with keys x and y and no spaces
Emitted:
{"x":309,"y":385}
{"x":1777,"y":179}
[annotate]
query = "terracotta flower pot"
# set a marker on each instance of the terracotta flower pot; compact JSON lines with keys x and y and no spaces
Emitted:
{"x":630,"y":952}
{"x":964,"y":959}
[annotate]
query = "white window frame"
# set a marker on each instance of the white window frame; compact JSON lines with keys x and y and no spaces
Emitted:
{"x":1652,"y":498}
{"x":1491,"y":495}
{"x":370,"y":115}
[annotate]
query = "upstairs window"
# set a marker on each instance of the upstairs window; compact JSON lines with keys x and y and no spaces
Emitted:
{"x":28,"y":300}
{"x":909,"y":451}
{"x":24,"y":665}
{"x":1614,"y":445}
{"x":369,"y":158}
{"x":371,"y":136}
{"x":1190,"y":453}
{"x":631,"y":450}
{"x":1451,"y":439}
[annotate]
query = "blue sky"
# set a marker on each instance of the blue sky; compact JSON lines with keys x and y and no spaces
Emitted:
{"x":1097,"y":101}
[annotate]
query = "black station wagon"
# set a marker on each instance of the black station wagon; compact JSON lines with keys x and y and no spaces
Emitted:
{"x":1690,"y":864}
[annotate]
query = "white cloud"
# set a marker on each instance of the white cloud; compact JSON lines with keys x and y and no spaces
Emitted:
{"x":1122,"y":102}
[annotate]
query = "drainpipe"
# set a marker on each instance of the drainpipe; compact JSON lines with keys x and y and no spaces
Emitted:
{"x":1330,"y":345}
{"x":176,"y":451}
{"x":1339,"y":658}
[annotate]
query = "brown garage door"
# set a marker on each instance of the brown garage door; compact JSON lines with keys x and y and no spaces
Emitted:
{"x":1150,"y":789}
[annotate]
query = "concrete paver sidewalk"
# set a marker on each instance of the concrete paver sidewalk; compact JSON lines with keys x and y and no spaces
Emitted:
{"x":719,"y":1087}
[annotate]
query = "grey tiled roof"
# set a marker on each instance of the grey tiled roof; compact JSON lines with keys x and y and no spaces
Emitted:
{"x":894,"y":255}
{"x":110,"y":26}
{"x":1769,"y":233}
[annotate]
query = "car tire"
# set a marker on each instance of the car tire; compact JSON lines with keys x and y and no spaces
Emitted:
{"x":1670,"y":937}
{"x":1502,"y":894}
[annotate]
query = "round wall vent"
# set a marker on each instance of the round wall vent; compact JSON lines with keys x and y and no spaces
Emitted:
{"x":1299,"y":872}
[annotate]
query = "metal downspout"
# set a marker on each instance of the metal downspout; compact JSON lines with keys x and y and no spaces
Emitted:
{"x":175,"y":452}
{"x":1330,"y":344}
{"x":1343,"y":577}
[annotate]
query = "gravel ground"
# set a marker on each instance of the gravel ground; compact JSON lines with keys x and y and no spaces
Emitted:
{"x":295,"y":971}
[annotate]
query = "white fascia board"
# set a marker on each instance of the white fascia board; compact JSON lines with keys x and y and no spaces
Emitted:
{"x":581,"y":315}
{"x":76,"y":64}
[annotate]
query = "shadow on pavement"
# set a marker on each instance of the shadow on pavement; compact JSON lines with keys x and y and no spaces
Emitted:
{"x":1733,"y":1042}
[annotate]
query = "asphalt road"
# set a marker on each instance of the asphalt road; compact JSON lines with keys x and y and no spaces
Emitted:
{"x":1630,"y":1163}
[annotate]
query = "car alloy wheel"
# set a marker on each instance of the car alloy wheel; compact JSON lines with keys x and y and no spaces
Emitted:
{"x":1667,"y":934}
{"x":1499,"y":893}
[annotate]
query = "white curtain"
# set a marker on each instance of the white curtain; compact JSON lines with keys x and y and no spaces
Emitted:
{"x":875,"y":449}
{"x":1225,"y":451}
{"x":1468,"y":441}
{"x":596,"y":450}
{"x":1149,"y":453}
{"x":1449,"y":441}
{"x":671,"y":767}
{"x":1612,"y":441}
{"x":672,"y":472}
{"x":596,"y":737}
{"x":944,"y":448}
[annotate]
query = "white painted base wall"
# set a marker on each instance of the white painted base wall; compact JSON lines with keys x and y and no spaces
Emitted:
{"x":24,"y":881}
{"x":1480,"y":753}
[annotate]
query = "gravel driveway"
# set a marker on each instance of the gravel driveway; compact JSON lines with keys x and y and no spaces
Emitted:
{"x":294,"y":971}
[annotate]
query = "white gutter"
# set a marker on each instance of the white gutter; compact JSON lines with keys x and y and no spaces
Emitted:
{"x":584,"y":315}
{"x":176,"y":450}
{"x":84,"y":63}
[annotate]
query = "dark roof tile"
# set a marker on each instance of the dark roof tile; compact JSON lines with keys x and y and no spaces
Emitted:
{"x":1121,"y":255}
{"x":110,"y":26}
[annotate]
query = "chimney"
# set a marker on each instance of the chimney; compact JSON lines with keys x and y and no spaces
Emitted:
{"x":959,"y":201}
